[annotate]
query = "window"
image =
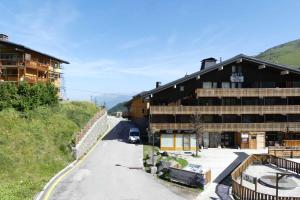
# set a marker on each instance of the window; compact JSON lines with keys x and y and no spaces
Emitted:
{"x":233,"y":69}
{"x":225,"y":85}
{"x":268,"y":84}
{"x":207,"y":84}
{"x":215,"y":85}
{"x":181,"y":88}
{"x":239,"y":69}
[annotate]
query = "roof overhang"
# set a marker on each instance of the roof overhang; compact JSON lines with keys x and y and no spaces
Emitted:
{"x":219,"y":66}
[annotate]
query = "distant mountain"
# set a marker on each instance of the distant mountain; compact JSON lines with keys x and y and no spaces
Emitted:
{"x":110,"y":100}
{"x":286,"y":54}
{"x":120,"y":107}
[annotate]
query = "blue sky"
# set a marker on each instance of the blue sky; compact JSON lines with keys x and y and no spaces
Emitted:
{"x":125,"y":46}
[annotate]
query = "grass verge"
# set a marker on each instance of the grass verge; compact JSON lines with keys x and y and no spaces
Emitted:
{"x":36,"y":144}
{"x":147,"y":149}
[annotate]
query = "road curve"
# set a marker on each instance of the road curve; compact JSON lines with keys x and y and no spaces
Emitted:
{"x":112,"y":172}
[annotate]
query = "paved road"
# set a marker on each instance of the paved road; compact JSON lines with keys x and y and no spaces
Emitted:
{"x":108,"y":174}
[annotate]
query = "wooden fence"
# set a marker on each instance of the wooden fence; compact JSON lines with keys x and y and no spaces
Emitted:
{"x":88,"y":125}
{"x":244,"y":193}
{"x":291,"y":143}
{"x":284,"y":152}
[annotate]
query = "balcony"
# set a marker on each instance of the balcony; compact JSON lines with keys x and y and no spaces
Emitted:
{"x":221,"y":110}
{"x":231,"y":127}
{"x":247,"y":92}
{"x":37,"y":65}
{"x":11,"y":63}
{"x":31,"y":79}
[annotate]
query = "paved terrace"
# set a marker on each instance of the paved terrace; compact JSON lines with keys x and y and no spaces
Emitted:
{"x":266,"y":170}
{"x":221,"y":162}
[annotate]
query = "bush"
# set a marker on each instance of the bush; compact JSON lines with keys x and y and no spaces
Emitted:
{"x":25,"y":97}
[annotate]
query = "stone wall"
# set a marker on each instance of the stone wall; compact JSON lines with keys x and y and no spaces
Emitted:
{"x":91,"y":136}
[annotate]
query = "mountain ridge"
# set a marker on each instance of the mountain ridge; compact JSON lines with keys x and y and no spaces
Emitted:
{"x":286,"y":54}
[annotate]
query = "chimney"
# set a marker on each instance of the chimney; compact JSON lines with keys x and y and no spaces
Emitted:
{"x":207,"y":62}
{"x":3,"y":37}
{"x":158,"y":84}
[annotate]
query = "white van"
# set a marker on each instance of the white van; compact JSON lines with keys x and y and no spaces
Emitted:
{"x":134,"y":135}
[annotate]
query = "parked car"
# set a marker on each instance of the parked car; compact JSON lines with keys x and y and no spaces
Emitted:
{"x":134,"y":135}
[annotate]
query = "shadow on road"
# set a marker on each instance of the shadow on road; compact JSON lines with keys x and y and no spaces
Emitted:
{"x":120,"y":132}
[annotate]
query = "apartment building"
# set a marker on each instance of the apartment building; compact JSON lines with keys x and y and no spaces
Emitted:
{"x":243,"y":102}
{"x":19,"y":63}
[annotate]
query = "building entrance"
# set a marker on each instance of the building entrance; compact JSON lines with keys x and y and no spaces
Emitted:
{"x":227,"y":139}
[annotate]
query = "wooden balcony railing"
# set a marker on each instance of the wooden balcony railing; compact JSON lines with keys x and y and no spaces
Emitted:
{"x":221,"y":110}
{"x":37,"y":65}
{"x":31,"y":79}
{"x":11,"y":63}
{"x":231,"y":127}
{"x":247,"y":92}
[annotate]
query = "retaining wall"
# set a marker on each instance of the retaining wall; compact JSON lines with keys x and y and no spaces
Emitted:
{"x":91,"y":136}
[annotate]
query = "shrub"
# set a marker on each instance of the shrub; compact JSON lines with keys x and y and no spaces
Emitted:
{"x":25,"y":97}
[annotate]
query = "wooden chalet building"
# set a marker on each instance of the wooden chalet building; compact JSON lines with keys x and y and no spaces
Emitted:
{"x":243,"y":101}
{"x":19,"y":63}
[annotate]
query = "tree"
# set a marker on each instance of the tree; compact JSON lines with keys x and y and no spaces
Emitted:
{"x":198,"y":128}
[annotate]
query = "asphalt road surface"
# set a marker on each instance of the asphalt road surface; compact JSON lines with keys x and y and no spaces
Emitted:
{"x":113,"y":172}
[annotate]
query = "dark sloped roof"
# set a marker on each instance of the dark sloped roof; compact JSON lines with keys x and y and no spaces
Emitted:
{"x":214,"y":67}
{"x":29,"y":49}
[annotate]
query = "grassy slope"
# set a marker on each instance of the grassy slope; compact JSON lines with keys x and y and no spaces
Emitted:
{"x":36,"y":145}
{"x":287,"y":54}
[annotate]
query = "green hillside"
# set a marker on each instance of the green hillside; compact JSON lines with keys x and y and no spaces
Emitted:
{"x":287,"y":54}
{"x":36,"y":144}
{"x":120,"y":107}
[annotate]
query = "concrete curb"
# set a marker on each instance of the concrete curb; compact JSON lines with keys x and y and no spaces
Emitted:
{"x":42,"y":195}
{"x":60,"y":173}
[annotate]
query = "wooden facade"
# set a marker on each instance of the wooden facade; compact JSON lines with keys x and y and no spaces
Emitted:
{"x":243,"y":102}
{"x":137,"y":108}
{"x":19,"y":63}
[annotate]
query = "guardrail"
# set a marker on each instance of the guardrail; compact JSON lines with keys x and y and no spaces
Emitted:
{"x":244,"y":193}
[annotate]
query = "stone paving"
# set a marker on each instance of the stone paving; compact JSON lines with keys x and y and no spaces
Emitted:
{"x":267,"y":170}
